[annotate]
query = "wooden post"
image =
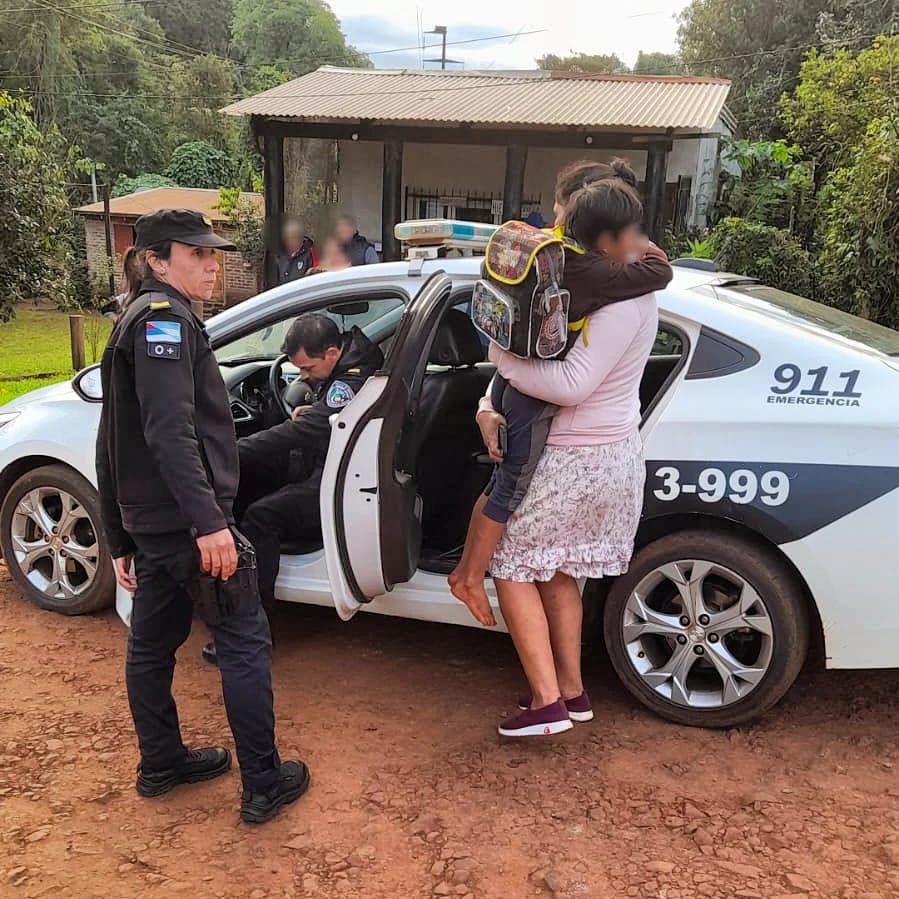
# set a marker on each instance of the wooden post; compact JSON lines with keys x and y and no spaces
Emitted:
{"x":391,"y":198}
{"x":76,"y":337}
{"x":513,"y":189}
{"x":107,"y":224}
{"x":656,"y":178}
{"x":273,"y":185}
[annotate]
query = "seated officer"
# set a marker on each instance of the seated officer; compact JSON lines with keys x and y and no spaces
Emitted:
{"x":281,"y":468}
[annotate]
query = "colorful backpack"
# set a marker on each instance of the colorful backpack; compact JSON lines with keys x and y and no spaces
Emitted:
{"x":519,"y":302}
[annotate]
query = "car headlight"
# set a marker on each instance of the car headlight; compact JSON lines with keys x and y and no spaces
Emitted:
{"x":7,"y":417}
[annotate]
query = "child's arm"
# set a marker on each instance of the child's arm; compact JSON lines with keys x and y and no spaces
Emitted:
{"x":596,"y":274}
{"x":569,"y":381}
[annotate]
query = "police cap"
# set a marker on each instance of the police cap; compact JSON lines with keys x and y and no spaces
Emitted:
{"x":180,"y":225}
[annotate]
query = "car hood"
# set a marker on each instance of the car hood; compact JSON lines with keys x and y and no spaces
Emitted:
{"x":60,"y":391}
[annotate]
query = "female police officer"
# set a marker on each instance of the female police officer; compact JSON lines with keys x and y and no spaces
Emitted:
{"x":167,"y":469}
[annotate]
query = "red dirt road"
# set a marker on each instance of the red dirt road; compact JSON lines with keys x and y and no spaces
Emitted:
{"x":413,"y":795}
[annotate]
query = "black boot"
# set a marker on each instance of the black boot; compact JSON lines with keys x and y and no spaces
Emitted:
{"x":293,"y":781}
{"x":199,"y":764}
{"x":209,"y":653}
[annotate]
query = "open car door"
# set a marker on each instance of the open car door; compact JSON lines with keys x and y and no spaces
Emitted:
{"x":370,"y":507}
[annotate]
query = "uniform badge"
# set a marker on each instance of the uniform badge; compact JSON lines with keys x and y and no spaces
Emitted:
{"x":339,"y":394}
{"x":163,"y":340}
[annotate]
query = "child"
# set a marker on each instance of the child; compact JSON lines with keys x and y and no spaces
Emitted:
{"x":619,"y":264}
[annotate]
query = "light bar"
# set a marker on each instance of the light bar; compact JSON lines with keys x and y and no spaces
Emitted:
{"x":445,"y":233}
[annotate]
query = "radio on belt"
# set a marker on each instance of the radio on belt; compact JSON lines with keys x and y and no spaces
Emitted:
{"x":424,"y":238}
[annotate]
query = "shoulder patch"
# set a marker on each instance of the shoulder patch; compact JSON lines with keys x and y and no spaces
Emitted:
{"x":163,"y":339}
{"x":162,"y":304}
{"x":354,"y":371}
{"x":339,"y":394}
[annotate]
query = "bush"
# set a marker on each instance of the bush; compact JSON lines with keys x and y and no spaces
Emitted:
{"x":859,"y":229}
{"x":125,"y":184}
{"x":199,"y":164}
{"x":772,"y":255}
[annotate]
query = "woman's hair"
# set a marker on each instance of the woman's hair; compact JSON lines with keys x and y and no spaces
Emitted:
{"x":609,"y":205}
{"x":136,"y":268}
{"x":581,"y":174}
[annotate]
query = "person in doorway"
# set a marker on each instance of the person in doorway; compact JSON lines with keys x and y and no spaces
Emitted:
{"x":281,"y":468}
{"x":579,"y":516}
{"x":358,"y":249}
{"x":298,"y":254}
{"x":167,"y":471}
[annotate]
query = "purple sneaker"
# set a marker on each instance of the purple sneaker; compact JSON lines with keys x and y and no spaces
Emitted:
{"x":551,"y":719}
{"x":579,"y":708}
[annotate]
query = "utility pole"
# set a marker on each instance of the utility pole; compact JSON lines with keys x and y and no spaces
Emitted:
{"x":441,"y":30}
{"x":94,"y":181}
{"x":107,"y":221}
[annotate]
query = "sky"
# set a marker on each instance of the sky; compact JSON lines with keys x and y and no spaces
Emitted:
{"x":614,"y":28}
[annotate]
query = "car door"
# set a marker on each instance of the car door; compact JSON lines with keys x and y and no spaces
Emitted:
{"x":370,"y":507}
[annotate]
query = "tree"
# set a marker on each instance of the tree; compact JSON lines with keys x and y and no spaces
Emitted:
{"x":658,"y":64}
{"x":125,"y":185}
{"x":760,"y":45}
{"x":838,"y":97}
{"x":198,"y":164}
{"x":595,"y":64}
{"x":296,"y":36}
{"x":202,"y":25}
{"x":202,"y":86}
{"x":36,"y":221}
{"x":247,"y":228}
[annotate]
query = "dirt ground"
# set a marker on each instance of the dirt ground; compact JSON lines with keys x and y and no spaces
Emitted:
{"x":413,"y":794}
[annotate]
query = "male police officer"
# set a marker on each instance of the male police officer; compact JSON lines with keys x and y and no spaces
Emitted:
{"x":281,"y":468}
{"x":167,"y":468}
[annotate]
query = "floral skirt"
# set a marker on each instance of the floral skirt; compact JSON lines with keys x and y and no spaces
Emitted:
{"x":579,"y":516}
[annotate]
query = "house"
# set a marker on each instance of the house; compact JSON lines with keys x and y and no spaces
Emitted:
{"x":237,"y":279}
{"x":488,"y":145}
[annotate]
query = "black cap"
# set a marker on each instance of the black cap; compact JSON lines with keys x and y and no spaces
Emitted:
{"x":181,"y":225}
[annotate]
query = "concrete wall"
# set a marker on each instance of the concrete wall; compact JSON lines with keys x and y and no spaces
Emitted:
{"x":445,"y":167}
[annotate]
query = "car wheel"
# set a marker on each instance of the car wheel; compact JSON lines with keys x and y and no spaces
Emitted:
{"x":53,"y":544}
{"x":706,"y":630}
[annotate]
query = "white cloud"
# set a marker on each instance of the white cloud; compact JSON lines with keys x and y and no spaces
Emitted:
{"x":578,"y":25}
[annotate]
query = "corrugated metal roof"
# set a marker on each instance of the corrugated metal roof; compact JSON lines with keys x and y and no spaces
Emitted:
{"x":144,"y":201}
{"x":549,"y":100}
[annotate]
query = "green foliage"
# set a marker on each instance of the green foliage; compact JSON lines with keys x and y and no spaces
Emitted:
{"x":125,"y":185}
{"x":202,"y":86}
{"x":699,"y":249}
{"x":760,"y":45}
{"x":199,"y":164}
{"x":203,"y":25}
{"x":773,"y":185}
{"x":246,"y":226}
{"x":594,"y":63}
{"x":294,"y":36}
{"x":859,"y":228}
{"x":36,"y":222}
{"x":837,"y":97}
{"x":658,"y":64}
{"x":772,"y":255}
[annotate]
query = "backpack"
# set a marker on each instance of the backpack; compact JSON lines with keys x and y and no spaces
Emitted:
{"x":519,"y":303}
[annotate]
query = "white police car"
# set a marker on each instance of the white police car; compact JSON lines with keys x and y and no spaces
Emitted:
{"x":771,"y":426}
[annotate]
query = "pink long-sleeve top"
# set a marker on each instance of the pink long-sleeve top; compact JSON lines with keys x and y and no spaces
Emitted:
{"x":597,"y":385}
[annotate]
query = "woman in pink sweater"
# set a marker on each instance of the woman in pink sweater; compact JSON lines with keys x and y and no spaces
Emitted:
{"x":580,"y":514}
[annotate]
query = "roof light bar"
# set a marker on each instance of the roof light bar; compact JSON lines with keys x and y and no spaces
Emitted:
{"x":433,"y":233}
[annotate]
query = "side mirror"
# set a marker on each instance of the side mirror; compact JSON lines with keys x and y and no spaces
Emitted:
{"x":88,"y":386}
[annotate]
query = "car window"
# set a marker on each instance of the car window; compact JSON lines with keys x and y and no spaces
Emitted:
{"x":668,"y":342}
{"x":267,"y":341}
{"x":837,"y":322}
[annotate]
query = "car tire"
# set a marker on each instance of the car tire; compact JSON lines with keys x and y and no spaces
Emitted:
{"x":736,"y":570}
{"x":72,"y":574}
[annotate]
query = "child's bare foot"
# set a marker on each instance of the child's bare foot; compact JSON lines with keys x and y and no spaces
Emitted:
{"x":470,"y":590}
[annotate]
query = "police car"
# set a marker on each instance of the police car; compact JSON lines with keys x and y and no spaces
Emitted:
{"x":771,"y":427}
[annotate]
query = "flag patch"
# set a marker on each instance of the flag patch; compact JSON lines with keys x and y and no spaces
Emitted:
{"x":339,"y":394}
{"x":163,"y":332}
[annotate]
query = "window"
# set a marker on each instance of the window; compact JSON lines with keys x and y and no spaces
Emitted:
{"x":265,"y":342}
{"x":838,"y":323}
{"x":668,"y":343}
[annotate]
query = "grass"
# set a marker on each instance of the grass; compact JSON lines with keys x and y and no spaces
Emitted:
{"x":35,"y":349}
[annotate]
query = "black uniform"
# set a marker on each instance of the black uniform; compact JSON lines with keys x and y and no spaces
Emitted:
{"x":167,"y":468}
{"x":295,"y":265}
{"x":281,"y":468}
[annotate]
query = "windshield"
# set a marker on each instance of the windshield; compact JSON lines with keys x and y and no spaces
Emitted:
{"x":851,"y":327}
{"x":266,"y":342}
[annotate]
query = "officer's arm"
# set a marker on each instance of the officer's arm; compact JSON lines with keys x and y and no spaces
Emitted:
{"x":371,"y":256}
{"x":120,"y":544}
{"x":164,"y":384}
